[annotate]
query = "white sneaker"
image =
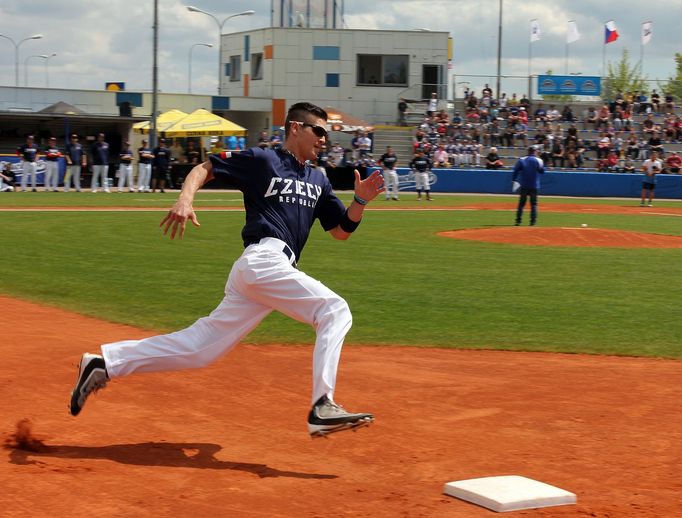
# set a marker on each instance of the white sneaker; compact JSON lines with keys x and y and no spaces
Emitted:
{"x":328,"y":417}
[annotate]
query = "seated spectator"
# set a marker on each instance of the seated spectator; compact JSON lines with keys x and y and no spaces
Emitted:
{"x":618,"y":118}
{"x":508,"y":136}
{"x":673,"y":163}
{"x":628,"y":166}
{"x":472,"y":101}
{"x":493,"y":160}
{"x":608,"y":164}
{"x":545,"y":152}
{"x":643,"y":103}
{"x":523,"y":115}
{"x":655,"y":101}
{"x":6,"y":177}
{"x":524,"y":102}
{"x":442,"y":117}
{"x":440,"y":157}
{"x":626,"y":118}
{"x":553,"y":114}
{"x":632,"y":147}
{"x":558,"y":154}
{"x":591,"y":118}
{"x":513,"y":102}
{"x":457,"y":120}
{"x":603,"y":117}
{"x":670,"y":127}
{"x":603,"y":145}
{"x":649,"y":125}
{"x":669,"y":102}
{"x":656,"y":144}
{"x":521,"y":134}
{"x":567,"y":114}
{"x":540,"y":115}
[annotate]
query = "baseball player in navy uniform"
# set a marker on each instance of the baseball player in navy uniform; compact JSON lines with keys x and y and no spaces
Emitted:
{"x":527,"y":173}
{"x":52,"y":156}
{"x":162,"y":158}
{"x":283,"y":196}
{"x":421,"y":165}
{"x":29,"y":156}
{"x":75,"y":159}
{"x":100,"y":164}
{"x":125,"y":168}
{"x":388,"y":161}
{"x":144,"y":167}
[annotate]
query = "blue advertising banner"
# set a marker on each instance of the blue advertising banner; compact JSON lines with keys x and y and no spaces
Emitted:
{"x":569,"y":85}
{"x":17,"y":169}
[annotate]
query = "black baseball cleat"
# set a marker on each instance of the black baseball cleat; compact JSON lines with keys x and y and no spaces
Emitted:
{"x":328,"y":417}
{"x":92,"y":376}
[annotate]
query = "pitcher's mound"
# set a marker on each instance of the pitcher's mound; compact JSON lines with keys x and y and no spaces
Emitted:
{"x":566,"y":236}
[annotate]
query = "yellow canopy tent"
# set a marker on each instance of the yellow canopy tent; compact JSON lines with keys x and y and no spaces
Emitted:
{"x":202,"y":123}
{"x":163,"y":121}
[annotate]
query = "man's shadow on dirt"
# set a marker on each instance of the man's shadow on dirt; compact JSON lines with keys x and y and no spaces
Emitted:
{"x":175,"y":455}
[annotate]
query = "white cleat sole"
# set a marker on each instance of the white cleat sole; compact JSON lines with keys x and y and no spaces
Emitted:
{"x":323,"y":431}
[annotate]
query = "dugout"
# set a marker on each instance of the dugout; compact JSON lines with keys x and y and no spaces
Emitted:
{"x":60,"y":120}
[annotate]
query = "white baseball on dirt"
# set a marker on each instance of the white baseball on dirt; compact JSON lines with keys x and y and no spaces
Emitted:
{"x":584,"y":225}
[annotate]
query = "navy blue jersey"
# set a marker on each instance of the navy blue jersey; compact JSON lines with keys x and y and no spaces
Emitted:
{"x":421,"y":164}
{"x":162,"y":158}
{"x":388,"y":161}
{"x":282,"y":197}
{"x":323,"y":159}
{"x":125,"y":156}
{"x":100,"y":153}
{"x":29,"y":154}
{"x":52,"y":154}
{"x":146,"y":151}
{"x":75,"y":153}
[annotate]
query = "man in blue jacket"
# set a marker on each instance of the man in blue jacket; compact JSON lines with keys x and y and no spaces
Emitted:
{"x":527,"y":173}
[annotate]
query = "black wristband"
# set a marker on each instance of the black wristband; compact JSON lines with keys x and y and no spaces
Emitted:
{"x":347,"y":224}
{"x":359,"y":200}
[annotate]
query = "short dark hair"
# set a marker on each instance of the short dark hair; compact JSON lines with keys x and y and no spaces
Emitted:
{"x":300,"y":111}
{"x":532,"y":150}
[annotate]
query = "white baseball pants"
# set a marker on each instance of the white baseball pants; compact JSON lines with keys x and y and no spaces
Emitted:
{"x":391,"y":183}
{"x":29,"y":168}
{"x":421,"y":181}
{"x":144,"y":175}
{"x":125,"y":174}
{"x":261,"y":280}
{"x":73,"y":174}
{"x":100,"y":171}
{"x":51,"y":175}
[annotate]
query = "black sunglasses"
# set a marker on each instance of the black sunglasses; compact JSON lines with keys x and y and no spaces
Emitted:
{"x":319,"y":131}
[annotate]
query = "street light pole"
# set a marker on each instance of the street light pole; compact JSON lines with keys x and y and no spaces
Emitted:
{"x":43,"y":56}
{"x":220,"y":24}
{"x":499,"y":52}
{"x":189,"y":69}
{"x":16,"y":53}
{"x":47,"y":75}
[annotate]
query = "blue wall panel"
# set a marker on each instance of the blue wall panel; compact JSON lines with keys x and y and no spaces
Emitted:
{"x":552,"y":183}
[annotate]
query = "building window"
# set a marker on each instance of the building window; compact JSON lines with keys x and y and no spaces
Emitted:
{"x":235,"y":68}
{"x":332,"y":80}
{"x":257,"y":66}
{"x":382,"y":70}
{"x":326,"y":53}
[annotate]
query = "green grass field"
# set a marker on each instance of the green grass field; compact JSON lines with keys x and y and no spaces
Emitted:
{"x":405,"y":285}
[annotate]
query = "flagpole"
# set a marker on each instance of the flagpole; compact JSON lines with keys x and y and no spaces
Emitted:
{"x":566,"y":59}
{"x":530,"y":46}
{"x":603,"y":52}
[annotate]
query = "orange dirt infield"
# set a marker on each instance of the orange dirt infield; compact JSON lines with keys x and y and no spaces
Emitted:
{"x":550,"y":236}
{"x":230,"y":439}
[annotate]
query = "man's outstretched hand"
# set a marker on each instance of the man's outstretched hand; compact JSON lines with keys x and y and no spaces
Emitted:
{"x":177,"y":217}
{"x":370,"y":187}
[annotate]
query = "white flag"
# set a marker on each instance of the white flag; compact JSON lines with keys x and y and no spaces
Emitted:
{"x":572,"y":33}
{"x":534,"y":31}
{"x":647,"y":32}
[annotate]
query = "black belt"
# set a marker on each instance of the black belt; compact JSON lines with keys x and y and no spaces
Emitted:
{"x":290,"y":255}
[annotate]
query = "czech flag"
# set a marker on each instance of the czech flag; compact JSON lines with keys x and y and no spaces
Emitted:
{"x":610,"y":32}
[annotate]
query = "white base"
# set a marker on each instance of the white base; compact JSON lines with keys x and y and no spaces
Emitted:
{"x":508,"y":493}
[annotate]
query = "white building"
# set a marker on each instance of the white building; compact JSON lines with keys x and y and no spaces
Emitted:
{"x":361,"y":72}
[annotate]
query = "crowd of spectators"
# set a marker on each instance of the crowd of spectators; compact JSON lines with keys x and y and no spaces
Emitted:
{"x":607,"y":138}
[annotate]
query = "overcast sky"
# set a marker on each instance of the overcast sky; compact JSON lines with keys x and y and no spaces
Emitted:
{"x":111,"y":40}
